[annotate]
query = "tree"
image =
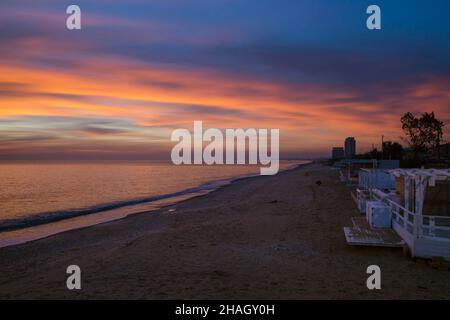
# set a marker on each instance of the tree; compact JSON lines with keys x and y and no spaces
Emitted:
{"x":422,"y":133}
{"x":372,"y":154}
{"x":392,"y":150}
{"x":432,"y":129}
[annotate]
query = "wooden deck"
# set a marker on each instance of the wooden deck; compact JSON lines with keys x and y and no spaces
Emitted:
{"x":361,"y":234}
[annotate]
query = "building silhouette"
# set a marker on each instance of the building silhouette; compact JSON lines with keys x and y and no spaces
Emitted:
{"x":337,"y":153}
{"x":350,"y":147}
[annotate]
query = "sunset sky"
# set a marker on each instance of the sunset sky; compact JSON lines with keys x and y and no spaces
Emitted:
{"x":139,"y":69}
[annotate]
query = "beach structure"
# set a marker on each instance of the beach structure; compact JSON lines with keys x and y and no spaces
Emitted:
{"x":422,"y":216}
{"x":378,"y":214}
{"x":372,"y":179}
{"x":350,"y":168}
{"x":416,"y":208}
{"x":375,"y":179}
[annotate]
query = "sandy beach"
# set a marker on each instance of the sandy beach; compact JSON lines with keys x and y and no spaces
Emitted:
{"x":271,"y":237}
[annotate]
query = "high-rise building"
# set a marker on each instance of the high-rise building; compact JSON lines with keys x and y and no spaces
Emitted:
{"x":350,"y":147}
{"x":337,"y":153}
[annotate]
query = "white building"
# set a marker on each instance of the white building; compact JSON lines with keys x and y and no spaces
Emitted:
{"x":415,"y":203}
{"x":422,"y":218}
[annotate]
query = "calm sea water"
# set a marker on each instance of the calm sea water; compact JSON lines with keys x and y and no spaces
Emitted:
{"x":37,"y":193}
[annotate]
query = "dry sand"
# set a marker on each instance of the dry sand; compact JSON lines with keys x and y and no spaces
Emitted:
{"x":277,"y":237}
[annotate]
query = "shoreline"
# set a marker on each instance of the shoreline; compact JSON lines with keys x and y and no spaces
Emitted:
{"x":266,"y":237}
{"x":57,"y":223}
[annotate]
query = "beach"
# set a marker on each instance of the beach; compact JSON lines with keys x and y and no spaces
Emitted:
{"x":265,"y":237}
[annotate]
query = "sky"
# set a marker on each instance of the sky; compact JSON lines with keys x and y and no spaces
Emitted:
{"x":137,"y":70}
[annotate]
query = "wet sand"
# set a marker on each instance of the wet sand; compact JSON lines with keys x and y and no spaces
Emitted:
{"x":277,"y":237}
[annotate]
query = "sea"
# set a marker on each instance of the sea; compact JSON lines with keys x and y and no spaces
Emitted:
{"x":44,"y":198}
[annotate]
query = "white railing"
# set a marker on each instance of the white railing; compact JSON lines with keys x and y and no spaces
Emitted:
{"x":375,"y":196}
{"x":435,"y":226}
{"x":420,"y":225}
{"x":404,"y":218}
{"x":417,"y":226}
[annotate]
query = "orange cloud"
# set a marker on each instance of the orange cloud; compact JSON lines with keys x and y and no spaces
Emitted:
{"x":156,"y":99}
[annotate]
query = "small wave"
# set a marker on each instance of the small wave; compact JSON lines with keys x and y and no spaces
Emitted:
{"x":54,"y":216}
{"x":47,"y":217}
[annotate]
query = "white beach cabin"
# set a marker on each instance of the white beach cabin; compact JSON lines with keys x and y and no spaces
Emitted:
{"x":412,"y":204}
{"x":371,"y":179}
{"x":421,"y":212}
